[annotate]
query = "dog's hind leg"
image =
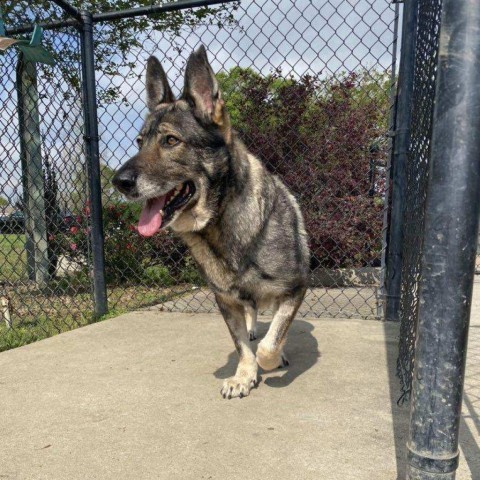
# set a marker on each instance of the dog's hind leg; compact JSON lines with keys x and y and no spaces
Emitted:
{"x":245,"y":377}
{"x":251,"y":319}
{"x":270,"y":350}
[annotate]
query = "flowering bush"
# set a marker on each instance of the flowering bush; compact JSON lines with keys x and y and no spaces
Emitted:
{"x":129,"y":258}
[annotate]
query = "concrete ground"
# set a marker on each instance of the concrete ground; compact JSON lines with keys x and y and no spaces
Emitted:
{"x":137,"y":397}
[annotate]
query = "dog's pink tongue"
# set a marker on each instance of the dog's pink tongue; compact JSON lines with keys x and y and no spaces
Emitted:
{"x":151,"y":218}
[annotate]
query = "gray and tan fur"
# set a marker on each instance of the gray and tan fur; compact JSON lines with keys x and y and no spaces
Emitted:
{"x":242,"y":226}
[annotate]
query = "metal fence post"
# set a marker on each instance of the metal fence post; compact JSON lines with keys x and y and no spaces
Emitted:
{"x":93,"y":163}
{"x":399,"y":159}
{"x":451,"y":227}
{"x":381,"y":297}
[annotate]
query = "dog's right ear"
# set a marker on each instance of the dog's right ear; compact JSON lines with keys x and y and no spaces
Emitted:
{"x":203,"y":93}
{"x":158,"y":89}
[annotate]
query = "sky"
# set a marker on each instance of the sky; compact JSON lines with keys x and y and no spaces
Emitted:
{"x":302,"y":36}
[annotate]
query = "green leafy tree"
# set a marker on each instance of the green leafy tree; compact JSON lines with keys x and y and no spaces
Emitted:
{"x":3,"y":202}
{"x":113,"y":41}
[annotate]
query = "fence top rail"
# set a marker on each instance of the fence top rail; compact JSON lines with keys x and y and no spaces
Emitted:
{"x":117,"y":14}
{"x":152,"y":9}
{"x":68,"y":8}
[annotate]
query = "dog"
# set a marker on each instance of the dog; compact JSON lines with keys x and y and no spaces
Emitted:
{"x":240,"y":222}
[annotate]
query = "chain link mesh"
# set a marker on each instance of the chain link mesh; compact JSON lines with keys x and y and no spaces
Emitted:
{"x":319,"y":72}
{"x":417,"y":173}
{"x":333,"y":159}
{"x":43,"y":194}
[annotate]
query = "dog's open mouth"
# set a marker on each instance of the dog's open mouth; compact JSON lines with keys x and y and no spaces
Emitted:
{"x":158,"y":211}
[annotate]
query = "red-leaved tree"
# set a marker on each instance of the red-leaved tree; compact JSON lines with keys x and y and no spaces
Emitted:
{"x":326,"y":137}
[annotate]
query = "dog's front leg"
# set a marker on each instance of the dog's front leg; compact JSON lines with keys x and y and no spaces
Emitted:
{"x":245,"y":377}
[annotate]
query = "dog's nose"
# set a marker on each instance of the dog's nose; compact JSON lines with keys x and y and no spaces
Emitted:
{"x":125,"y":180}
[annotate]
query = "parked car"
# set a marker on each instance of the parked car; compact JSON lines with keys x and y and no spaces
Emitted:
{"x":13,"y":223}
{"x":3,"y":223}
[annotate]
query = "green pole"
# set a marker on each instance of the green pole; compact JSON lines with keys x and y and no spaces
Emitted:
{"x":32,"y":172}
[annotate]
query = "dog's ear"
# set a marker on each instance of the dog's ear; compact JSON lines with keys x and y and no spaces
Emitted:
{"x":158,"y":89}
{"x":202,"y":91}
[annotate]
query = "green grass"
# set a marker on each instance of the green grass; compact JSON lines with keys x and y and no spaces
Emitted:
{"x":13,"y":266}
{"x":39,"y":314}
{"x":66,"y":303}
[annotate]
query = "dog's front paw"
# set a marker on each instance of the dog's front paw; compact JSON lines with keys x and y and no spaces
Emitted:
{"x":241,"y":383}
{"x":268,"y":358}
{"x":237,"y":387}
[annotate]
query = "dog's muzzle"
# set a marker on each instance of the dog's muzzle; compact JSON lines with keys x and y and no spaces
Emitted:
{"x":125,"y":180}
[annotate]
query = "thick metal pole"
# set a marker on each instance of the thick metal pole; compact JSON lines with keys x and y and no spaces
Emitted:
{"x":399,"y":160}
{"x":45,"y":25}
{"x":93,"y":163}
{"x":448,"y":263}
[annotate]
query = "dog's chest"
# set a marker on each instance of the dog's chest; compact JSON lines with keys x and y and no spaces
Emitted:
{"x":213,"y":259}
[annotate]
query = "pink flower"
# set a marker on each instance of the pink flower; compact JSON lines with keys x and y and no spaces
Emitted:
{"x":74,"y":230}
{"x":73,"y":246}
{"x":86,"y":210}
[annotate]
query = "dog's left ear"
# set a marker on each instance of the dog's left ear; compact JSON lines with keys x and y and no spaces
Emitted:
{"x":201,"y":90}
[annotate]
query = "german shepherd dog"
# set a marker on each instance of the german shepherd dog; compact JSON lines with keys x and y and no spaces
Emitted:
{"x":241,"y":224}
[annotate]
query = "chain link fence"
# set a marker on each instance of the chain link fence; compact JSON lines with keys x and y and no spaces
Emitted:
{"x":308,"y":86}
{"x":274,"y":62}
{"x":426,"y":37}
{"x":43,"y":194}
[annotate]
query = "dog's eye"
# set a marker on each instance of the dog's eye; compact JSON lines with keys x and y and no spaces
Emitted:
{"x":171,"y":141}
{"x":139,"y":141}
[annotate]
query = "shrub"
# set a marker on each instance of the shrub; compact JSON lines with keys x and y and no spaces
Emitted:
{"x":322,"y":136}
{"x":129,"y":258}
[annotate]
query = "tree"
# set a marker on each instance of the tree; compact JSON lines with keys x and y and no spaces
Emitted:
{"x":4,"y":202}
{"x":322,"y":135}
{"x":113,"y":41}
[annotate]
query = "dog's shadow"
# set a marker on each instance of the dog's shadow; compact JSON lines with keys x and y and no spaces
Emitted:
{"x":301,"y":350}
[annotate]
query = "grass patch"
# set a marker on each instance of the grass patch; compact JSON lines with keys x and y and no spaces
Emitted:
{"x":39,"y":314}
{"x":157,"y":275}
{"x":13,"y":258}
{"x":66,"y":302}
